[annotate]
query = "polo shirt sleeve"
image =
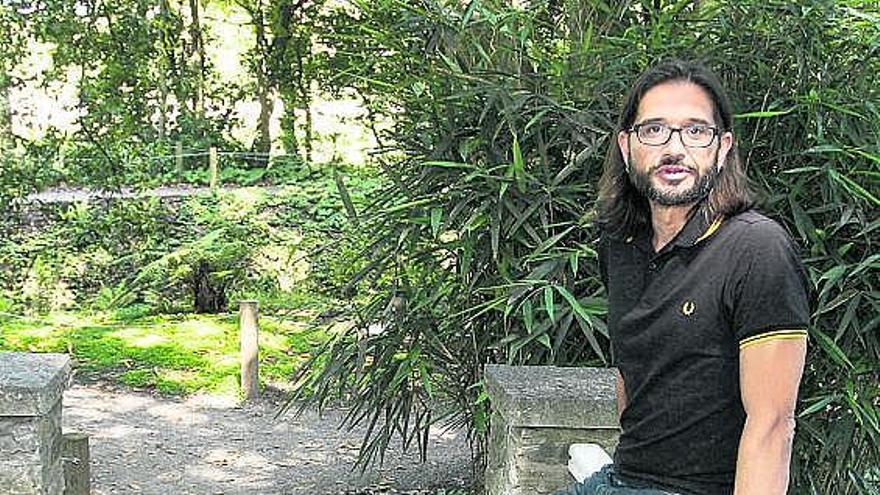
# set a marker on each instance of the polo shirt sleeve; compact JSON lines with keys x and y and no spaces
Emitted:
{"x":602,"y":251}
{"x":770,"y":295}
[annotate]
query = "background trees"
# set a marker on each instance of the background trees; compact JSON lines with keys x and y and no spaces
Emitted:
{"x":146,"y":74}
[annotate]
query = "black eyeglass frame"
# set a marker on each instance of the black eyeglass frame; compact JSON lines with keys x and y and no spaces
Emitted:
{"x":635,"y":129}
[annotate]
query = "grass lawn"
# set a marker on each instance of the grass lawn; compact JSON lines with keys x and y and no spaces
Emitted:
{"x":173,"y":354}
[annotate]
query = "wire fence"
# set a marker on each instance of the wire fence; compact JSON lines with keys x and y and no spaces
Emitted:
{"x":184,"y":165}
{"x":246,"y":156}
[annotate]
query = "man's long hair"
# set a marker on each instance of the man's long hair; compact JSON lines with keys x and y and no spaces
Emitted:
{"x":623,"y":210}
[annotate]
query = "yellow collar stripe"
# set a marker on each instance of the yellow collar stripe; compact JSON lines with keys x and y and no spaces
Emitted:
{"x":775,"y":335}
{"x":711,"y":230}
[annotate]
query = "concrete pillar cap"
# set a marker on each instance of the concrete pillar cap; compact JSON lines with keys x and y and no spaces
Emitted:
{"x":549,"y":396}
{"x":31,"y":384}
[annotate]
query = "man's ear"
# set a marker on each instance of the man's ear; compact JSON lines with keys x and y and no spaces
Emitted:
{"x":725,"y":144}
{"x":623,"y":144}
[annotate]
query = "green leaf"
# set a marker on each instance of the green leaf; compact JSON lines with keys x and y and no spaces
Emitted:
{"x":408,"y":205}
{"x":573,"y":302}
{"x":468,"y":13}
{"x":818,"y":405}
{"x":834,"y":274}
{"x":426,"y":379}
{"x":436,"y":217}
{"x":519,"y":168}
{"x":549,"y":305}
{"x":345,"y":196}
{"x":544,"y":339}
{"x":763,"y":114}
{"x":831,"y":349}
{"x":528,"y":315}
{"x":443,"y":164}
{"x":853,"y":187}
{"x":534,"y":277}
{"x":589,"y":332}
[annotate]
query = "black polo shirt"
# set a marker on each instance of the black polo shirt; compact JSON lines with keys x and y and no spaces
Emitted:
{"x":677,"y":320}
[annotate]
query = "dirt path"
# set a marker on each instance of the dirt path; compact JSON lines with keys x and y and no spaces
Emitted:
{"x":70,"y":195}
{"x":205,"y":445}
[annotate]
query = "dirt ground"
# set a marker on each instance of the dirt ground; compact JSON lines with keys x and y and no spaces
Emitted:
{"x":142,"y":443}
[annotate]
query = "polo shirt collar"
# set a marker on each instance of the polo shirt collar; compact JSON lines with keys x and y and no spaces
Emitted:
{"x":698,"y":228}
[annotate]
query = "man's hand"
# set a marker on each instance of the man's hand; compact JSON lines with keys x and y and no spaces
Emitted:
{"x":621,"y":395}
{"x":770,"y":373}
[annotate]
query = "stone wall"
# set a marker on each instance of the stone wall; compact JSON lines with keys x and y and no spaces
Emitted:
{"x":30,"y":423}
{"x":537,"y":413}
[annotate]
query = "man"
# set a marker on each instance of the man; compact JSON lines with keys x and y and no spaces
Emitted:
{"x":708,"y":301}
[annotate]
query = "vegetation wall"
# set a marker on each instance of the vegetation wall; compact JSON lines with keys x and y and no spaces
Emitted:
{"x":482,"y":249}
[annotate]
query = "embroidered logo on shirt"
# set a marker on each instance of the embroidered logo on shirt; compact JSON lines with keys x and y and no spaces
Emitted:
{"x":688,"y":308}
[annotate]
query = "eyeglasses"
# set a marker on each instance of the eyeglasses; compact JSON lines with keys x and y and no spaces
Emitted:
{"x":658,"y":134}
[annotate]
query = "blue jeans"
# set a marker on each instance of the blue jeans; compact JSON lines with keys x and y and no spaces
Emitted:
{"x":607,"y":482}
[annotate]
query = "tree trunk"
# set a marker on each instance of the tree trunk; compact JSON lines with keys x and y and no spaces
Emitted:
{"x":208,"y":297}
{"x":5,"y":114}
{"x":163,"y":70}
{"x":199,"y":48}
{"x":305,"y":99}
{"x":263,"y":143}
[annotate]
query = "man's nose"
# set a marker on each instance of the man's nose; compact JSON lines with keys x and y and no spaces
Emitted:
{"x":676,"y":143}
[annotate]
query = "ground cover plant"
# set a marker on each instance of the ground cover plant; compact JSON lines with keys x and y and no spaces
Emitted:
{"x":172,"y":354}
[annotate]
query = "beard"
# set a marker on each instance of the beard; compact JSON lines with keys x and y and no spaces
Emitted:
{"x":703,"y":183}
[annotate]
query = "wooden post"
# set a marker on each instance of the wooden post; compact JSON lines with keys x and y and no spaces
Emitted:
{"x":249,"y":329}
{"x":75,"y":455}
{"x":213,"y":168}
{"x":178,"y":158}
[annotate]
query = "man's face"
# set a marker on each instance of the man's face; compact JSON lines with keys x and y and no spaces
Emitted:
{"x":673,"y":174}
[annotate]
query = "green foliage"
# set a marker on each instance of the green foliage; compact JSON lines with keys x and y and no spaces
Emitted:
{"x":144,"y":254}
{"x":481,"y":248}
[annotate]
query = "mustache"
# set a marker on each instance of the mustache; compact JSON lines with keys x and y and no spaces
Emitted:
{"x":672,"y":161}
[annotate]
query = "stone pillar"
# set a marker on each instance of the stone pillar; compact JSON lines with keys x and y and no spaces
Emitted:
{"x":30,"y":422}
{"x":537,"y":412}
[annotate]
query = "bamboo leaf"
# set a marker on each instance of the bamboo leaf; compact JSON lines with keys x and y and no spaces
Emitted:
{"x":818,"y":405}
{"x":853,"y":187}
{"x":549,"y":305}
{"x":528,"y":315}
{"x":436,"y":217}
{"x":519,"y":168}
{"x":831,"y":349}
{"x":346,"y":197}
{"x":544,"y":339}
{"x":763,"y":114}
{"x":574,"y":303}
{"x":588,"y":331}
{"x":408,"y":205}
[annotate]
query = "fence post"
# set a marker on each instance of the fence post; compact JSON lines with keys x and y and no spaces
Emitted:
{"x":178,"y":158}
{"x":213,"y":168}
{"x":249,"y":329}
{"x":75,"y":454}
